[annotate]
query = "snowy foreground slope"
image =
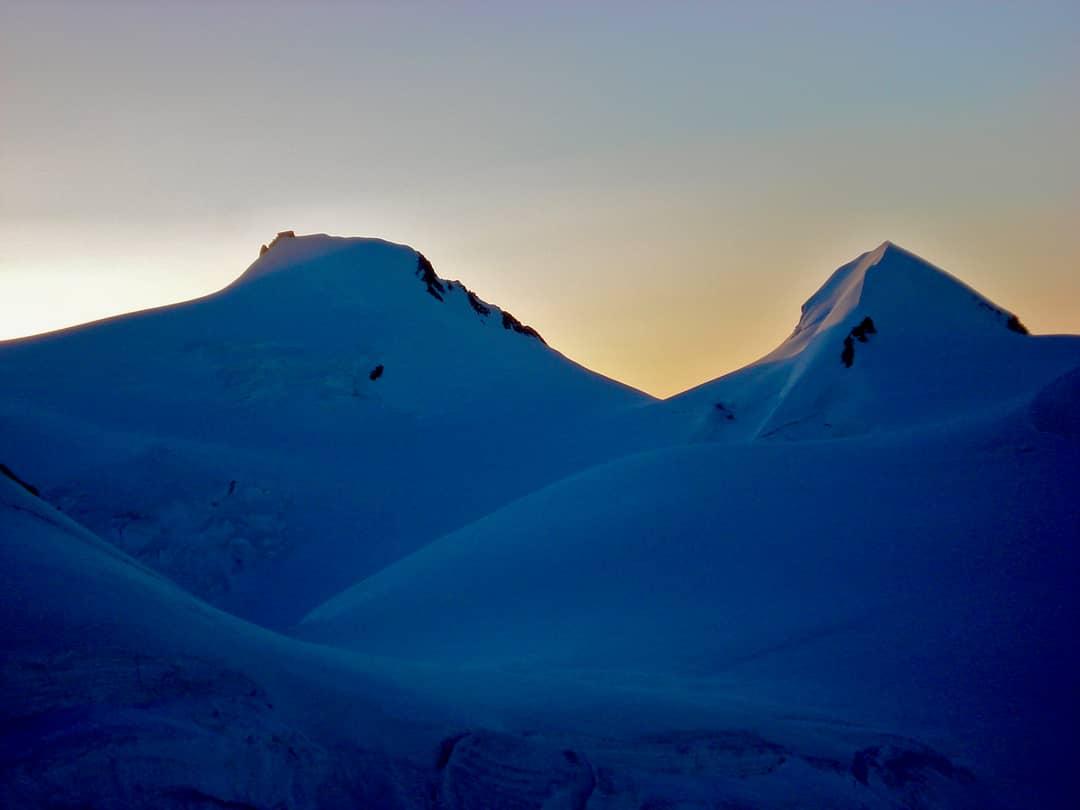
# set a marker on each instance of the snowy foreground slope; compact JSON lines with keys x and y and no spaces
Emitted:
{"x":922,"y":584}
{"x":239,"y":444}
{"x":119,"y":690}
{"x":844,"y":576}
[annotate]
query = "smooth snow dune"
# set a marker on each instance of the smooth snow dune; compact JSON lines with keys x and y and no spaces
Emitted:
{"x":239,"y":444}
{"x":925,"y":583}
{"x":119,"y":690}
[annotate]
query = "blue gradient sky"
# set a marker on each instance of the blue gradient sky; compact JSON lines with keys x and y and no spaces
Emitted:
{"x":655,"y":186}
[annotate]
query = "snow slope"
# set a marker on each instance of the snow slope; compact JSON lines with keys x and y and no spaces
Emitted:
{"x":939,"y":350}
{"x":845,"y":576}
{"x":923,"y":583}
{"x":117,"y":689}
{"x":889,"y":543}
{"x":239,"y":444}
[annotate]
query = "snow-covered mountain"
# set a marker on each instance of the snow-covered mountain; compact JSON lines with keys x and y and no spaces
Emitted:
{"x":843,"y":576}
{"x":917,"y":542}
{"x":888,"y":342}
{"x":333,"y":409}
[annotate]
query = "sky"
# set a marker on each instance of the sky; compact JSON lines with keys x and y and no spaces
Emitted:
{"x":656,"y":187}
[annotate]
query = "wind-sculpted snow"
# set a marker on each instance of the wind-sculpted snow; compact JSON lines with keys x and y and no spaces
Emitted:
{"x":844,"y":576}
{"x":922,"y":583}
{"x":938,"y":351}
{"x":119,"y":690}
{"x":244,"y":445}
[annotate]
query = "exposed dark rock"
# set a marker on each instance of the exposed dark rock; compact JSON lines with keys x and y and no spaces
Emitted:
{"x":376,"y":372}
{"x":437,"y":288}
{"x":847,"y":356}
{"x":274,"y":241}
{"x":858,"y":332}
{"x":426,"y":272}
{"x":510,"y":322}
{"x":479,"y":307}
{"x":1013,"y":324}
{"x":477,"y":304}
{"x":864,"y":328}
{"x":28,"y":487}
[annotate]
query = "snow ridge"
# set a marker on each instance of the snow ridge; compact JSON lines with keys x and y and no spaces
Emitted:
{"x":289,"y":252}
{"x":897,"y":284}
{"x":529,"y":585}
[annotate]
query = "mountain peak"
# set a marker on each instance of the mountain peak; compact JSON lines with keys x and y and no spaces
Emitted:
{"x":881,"y":250}
{"x":888,"y":252}
{"x":375,"y":269}
{"x":888,"y":339}
{"x":905,"y":290}
{"x":287,"y":250}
